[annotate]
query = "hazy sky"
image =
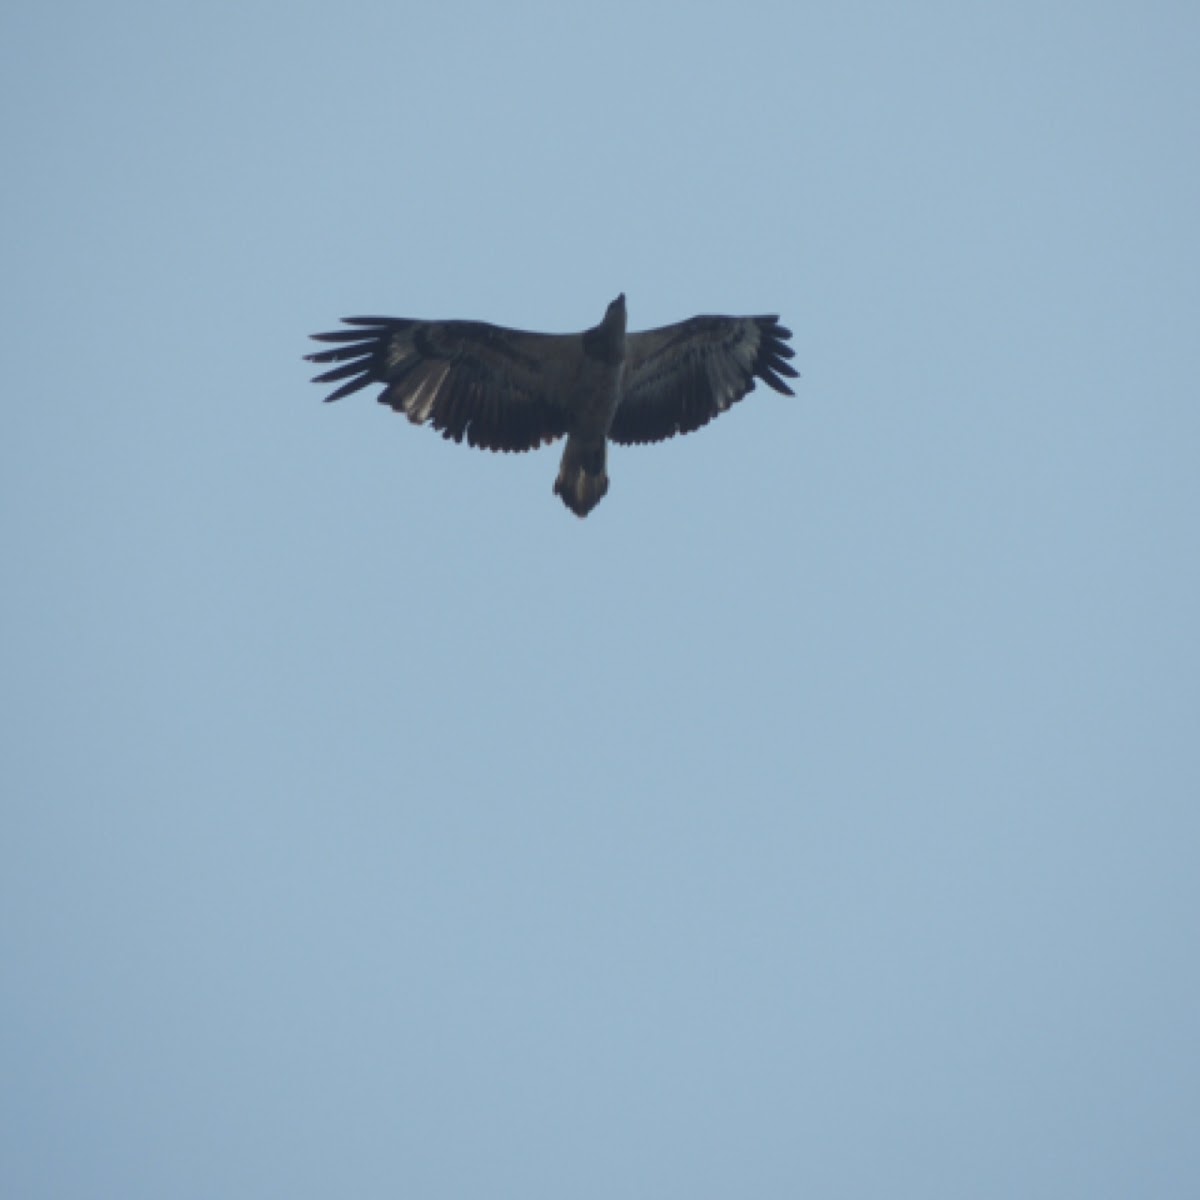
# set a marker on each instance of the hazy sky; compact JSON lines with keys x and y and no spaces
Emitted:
{"x":817,"y":818}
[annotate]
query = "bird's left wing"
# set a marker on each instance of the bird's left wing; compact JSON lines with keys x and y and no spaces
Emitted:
{"x":679,"y":377}
{"x":500,"y":389}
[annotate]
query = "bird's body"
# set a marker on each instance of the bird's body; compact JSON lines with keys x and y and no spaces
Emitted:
{"x":506,"y":389}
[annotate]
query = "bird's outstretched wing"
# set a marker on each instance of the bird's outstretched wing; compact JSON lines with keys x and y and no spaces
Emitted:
{"x":679,"y":377}
{"x":500,"y":389}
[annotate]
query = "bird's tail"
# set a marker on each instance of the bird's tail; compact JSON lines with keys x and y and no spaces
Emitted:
{"x":582,"y":479}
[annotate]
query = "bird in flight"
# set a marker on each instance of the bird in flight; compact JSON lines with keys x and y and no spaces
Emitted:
{"x":506,"y":389}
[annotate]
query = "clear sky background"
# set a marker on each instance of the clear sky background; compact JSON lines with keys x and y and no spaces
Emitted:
{"x":818,"y":818}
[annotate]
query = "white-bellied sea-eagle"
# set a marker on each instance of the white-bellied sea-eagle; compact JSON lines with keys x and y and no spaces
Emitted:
{"x":506,"y":389}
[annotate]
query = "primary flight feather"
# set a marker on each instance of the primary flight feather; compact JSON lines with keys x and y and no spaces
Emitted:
{"x":506,"y":389}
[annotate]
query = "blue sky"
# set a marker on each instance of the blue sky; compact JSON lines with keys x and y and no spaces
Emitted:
{"x":817,"y":818}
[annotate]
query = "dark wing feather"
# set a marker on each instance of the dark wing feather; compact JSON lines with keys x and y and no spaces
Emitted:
{"x":500,"y":389}
{"x":679,"y":377}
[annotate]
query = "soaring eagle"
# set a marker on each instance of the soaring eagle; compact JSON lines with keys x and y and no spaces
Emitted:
{"x":505,"y":389}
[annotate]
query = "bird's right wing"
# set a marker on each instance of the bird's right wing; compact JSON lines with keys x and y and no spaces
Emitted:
{"x":500,"y":389}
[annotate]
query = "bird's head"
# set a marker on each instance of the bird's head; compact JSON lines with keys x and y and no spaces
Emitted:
{"x":614,"y":318}
{"x":607,"y":341}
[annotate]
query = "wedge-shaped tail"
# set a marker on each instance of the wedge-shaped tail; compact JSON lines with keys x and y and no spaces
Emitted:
{"x":582,"y":478}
